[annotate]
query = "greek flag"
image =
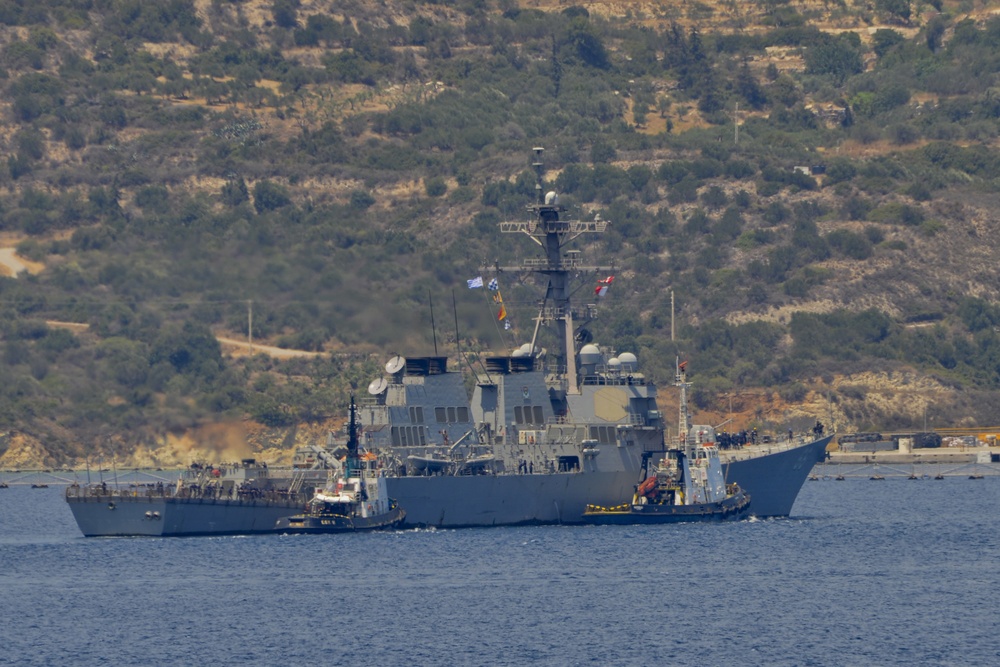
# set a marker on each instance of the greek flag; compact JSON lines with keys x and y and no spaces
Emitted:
{"x":475,"y":282}
{"x":494,"y":285}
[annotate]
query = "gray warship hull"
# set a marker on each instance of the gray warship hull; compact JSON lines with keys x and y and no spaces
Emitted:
{"x":133,"y":516}
{"x":505,"y":500}
{"x":773,"y":480}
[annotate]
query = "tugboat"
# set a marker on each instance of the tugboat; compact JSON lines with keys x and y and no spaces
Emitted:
{"x":686,"y":485}
{"x":357,"y":500}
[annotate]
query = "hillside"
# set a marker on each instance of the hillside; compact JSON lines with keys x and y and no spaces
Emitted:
{"x":815,"y":182}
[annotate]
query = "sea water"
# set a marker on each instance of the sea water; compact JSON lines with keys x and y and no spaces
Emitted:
{"x":894,"y":572}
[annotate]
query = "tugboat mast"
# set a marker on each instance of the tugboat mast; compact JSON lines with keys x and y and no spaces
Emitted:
{"x":684,"y":417}
{"x":353,"y":461}
{"x":553,"y":234}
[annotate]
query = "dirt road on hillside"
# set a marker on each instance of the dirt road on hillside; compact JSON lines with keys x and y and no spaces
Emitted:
{"x":239,"y":348}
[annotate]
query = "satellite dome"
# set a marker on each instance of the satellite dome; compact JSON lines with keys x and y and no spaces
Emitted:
{"x":590,"y":354}
{"x":551,"y":198}
{"x":614,"y":363}
{"x":629,"y":361}
{"x":518,"y":353}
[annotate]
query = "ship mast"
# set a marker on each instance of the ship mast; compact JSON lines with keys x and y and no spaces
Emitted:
{"x":684,"y":417}
{"x":553,"y":234}
{"x":353,"y":461}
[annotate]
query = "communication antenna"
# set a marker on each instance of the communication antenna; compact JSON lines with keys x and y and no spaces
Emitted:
{"x":377,"y":386}
{"x":433,"y":327}
{"x":395,"y":365}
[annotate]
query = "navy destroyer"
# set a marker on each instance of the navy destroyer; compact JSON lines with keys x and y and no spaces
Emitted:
{"x":545,"y":434}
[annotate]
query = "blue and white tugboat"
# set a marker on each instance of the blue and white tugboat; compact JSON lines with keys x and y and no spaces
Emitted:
{"x":354,"y":500}
{"x":687,"y":484}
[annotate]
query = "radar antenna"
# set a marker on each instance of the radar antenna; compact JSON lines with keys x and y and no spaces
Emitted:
{"x":552,"y":233}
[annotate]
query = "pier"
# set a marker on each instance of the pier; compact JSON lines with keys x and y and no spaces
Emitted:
{"x":917,"y":464}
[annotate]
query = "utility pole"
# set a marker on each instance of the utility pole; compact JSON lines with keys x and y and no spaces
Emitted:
{"x":736,"y":124}
{"x":672,"y":314}
{"x":250,"y":326}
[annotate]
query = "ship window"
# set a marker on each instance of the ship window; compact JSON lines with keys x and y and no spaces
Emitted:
{"x":416,"y":415}
{"x":440,"y":415}
{"x":463,"y":414}
{"x":395,"y":436}
{"x":568,"y":463}
{"x":539,"y":415}
{"x":603,"y":434}
{"x":451,"y":415}
{"x":529,"y":414}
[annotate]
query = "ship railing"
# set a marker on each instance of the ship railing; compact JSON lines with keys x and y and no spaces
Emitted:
{"x":372,"y":403}
{"x":553,"y":313}
{"x":635,"y":420}
{"x":565,"y":264}
{"x":554,"y":226}
{"x":614,"y":379}
{"x":104,"y":492}
{"x":749,"y":451}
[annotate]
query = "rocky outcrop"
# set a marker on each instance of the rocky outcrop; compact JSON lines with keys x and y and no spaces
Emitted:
{"x":21,"y":451}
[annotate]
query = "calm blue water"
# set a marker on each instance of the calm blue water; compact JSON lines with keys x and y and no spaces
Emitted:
{"x":897,"y":572}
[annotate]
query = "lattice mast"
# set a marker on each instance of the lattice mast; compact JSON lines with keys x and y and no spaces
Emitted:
{"x":553,"y":234}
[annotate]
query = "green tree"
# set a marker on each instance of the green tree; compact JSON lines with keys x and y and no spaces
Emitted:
{"x":268,"y":196}
{"x":836,"y":57}
{"x":435,"y":187}
{"x":884,"y":40}
{"x":587,"y":44}
{"x":189,"y":348}
{"x":285,"y":13}
{"x":899,"y":9}
{"x":235,"y":192}
{"x":748,"y":87}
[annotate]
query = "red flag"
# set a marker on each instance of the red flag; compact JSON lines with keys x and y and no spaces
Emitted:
{"x":503,"y":312}
{"x":603,"y":285}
